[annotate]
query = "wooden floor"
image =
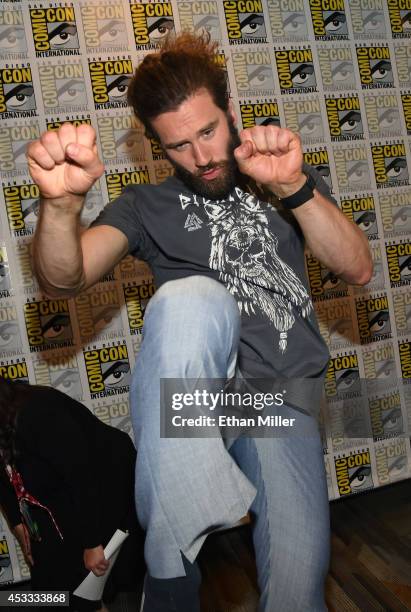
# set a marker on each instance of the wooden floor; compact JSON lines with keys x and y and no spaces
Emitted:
{"x":370,"y":560}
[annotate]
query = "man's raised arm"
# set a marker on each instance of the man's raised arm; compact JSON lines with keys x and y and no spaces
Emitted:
{"x":65,"y":164}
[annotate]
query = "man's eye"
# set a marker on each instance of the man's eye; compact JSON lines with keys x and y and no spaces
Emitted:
{"x":381,"y":70}
{"x":334,"y":22}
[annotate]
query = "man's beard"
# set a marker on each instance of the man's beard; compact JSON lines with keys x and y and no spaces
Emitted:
{"x":219,"y":187}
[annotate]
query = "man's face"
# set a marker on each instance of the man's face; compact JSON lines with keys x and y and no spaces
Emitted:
{"x":199,"y":139}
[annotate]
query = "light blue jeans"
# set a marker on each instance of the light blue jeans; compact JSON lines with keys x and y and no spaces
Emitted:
{"x":187,"y":488}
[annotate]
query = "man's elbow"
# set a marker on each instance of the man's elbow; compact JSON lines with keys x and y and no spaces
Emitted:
{"x":362,"y":274}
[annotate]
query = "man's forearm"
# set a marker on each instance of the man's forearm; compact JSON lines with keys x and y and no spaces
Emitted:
{"x":56,"y":249}
{"x":335,"y":240}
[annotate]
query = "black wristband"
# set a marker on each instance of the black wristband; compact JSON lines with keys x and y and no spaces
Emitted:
{"x":301,"y":196}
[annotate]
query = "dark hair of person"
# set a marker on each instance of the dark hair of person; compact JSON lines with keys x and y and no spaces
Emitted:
{"x":184,"y":65}
{"x":12,"y":396}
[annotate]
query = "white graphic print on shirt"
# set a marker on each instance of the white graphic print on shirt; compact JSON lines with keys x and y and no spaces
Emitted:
{"x":244,"y":251}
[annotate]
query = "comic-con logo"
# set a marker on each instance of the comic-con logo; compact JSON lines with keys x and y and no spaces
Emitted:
{"x":6,"y":567}
{"x":245,"y":21}
{"x":344,"y":118}
{"x":108,"y":370}
{"x":14,"y":370}
{"x":17,"y":97}
{"x":379,"y":364}
{"x":400,"y":18}
{"x":136,"y":297}
{"x":361,"y":210}
{"x":22,"y":208}
{"x":48,"y":324}
{"x":390,"y":165}
{"x":406,"y":107}
{"x":60,"y":370}
{"x":55,"y":124}
{"x":399,"y":263}
{"x":373,"y":319}
{"x":377,"y":281}
{"x":404,"y":349}
{"x":352,"y":168}
{"x":116,"y":181}
{"x":104,"y":27}
{"x":259,"y":113}
{"x":403,"y":63}
{"x":402,"y":312}
{"x":374,"y":65}
{"x":5,"y":284}
{"x":324,"y":284}
{"x":391,"y":460}
{"x":367,"y":19}
{"x":13,"y":143}
{"x":200,"y":17}
{"x":152,"y":22}
{"x":396,"y":212}
{"x":288,"y":20}
{"x":253,"y":73}
{"x":98,"y":313}
{"x":27,"y":281}
{"x":336,"y":68}
{"x":335,"y":322}
{"x":63,"y":87}
{"x":54,"y":30}
{"x":353,"y":472}
{"x":382,"y":114}
{"x":320,"y":160}
{"x":121,"y":138}
{"x":386,"y":415}
{"x":303,"y":115}
{"x":12,"y":34}
{"x":115,"y":413}
{"x":10,"y":338}
{"x":342,"y":380}
{"x":110,"y":80}
{"x":329,"y":19}
{"x":295,"y":70}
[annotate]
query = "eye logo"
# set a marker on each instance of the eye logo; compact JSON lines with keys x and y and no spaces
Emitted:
{"x":295,"y":69}
{"x":375,"y":67}
{"x":329,"y":24}
{"x":48,"y":324}
{"x":400,"y":18}
{"x":108,"y":370}
{"x":245,"y":21}
{"x":353,"y":472}
{"x":54,"y":31}
{"x":390,"y":165}
{"x":151,"y":23}
{"x":110,"y":80}
{"x":373,"y":319}
{"x":344,"y":118}
{"x":104,"y":27}
{"x":17,"y":92}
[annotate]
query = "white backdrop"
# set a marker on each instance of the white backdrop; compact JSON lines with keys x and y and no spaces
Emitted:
{"x":338,"y":72}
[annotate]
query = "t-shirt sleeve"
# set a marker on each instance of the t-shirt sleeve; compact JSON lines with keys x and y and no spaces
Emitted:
{"x":320,"y":183}
{"x":123,"y":214}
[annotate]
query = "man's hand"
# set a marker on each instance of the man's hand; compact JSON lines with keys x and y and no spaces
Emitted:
{"x":95,"y":561}
{"x":273,"y":157}
{"x":21,"y":534}
{"x":65,"y":163}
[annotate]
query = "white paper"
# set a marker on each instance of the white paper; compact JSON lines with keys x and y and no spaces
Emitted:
{"x":92,"y":586}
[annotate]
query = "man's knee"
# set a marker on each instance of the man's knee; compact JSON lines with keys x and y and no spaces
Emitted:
{"x":194,"y":296}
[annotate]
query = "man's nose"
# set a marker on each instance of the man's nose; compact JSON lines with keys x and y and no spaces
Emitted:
{"x":202,"y":156}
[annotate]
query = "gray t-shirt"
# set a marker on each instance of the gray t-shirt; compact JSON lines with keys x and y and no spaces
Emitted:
{"x":255,"y":250}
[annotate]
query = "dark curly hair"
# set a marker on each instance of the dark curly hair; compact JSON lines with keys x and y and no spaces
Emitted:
{"x":12,"y":396}
{"x":184,"y":65}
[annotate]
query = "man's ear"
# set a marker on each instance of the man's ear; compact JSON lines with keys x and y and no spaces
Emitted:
{"x":232,"y":113}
